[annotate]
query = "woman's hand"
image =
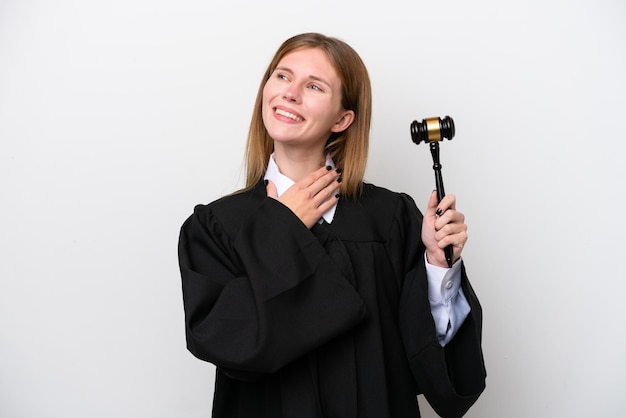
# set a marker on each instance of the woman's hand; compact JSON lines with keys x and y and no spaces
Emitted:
{"x":443,"y":225}
{"x":309,"y":198}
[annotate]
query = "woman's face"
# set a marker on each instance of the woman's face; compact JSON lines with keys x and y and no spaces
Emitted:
{"x":302,"y":100}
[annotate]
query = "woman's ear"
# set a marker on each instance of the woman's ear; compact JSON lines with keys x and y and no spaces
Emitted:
{"x":344,"y":121}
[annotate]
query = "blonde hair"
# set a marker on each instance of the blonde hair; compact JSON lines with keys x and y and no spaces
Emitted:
{"x":349,"y":148}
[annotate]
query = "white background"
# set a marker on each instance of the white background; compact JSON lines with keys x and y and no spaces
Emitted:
{"x":118,"y":116}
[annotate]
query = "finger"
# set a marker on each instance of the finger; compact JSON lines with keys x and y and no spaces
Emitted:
{"x":329,"y":179}
{"x":331,"y":183}
{"x":431,"y":207}
{"x":458,"y":241}
{"x":449,"y":217}
{"x":451,"y":230}
{"x":315,"y":176}
{"x":270,"y":187}
{"x":448,"y":202}
{"x":329,"y":202}
{"x":329,"y":193}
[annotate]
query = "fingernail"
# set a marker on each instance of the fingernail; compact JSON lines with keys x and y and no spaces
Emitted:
{"x":337,"y":196}
{"x":328,"y":168}
{"x":266,"y":181}
{"x":438,"y":212}
{"x":339,"y":179}
{"x":339,"y":170}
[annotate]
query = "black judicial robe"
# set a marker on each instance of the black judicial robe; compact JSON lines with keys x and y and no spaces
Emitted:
{"x":330,"y":322}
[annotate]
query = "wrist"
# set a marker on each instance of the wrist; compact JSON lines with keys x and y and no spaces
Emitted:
{"x":436,"y":259}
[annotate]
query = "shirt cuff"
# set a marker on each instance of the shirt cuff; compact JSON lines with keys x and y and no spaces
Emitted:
{"x":447,"y":301}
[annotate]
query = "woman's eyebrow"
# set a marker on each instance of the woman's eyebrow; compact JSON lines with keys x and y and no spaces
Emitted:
{"x":321,"y":80}
{"x":285,"y":69}
{"x":311,"y":77}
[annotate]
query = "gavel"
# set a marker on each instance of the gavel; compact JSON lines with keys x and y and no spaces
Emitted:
{"x":433,"y":130}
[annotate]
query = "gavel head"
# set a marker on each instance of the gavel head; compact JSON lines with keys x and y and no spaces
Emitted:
{"x":432,"y":129}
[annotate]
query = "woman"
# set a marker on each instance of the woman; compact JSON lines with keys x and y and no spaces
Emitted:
{"x":316,"y":294}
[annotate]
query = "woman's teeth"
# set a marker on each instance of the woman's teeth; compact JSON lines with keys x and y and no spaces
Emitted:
{"x":289,"y":115}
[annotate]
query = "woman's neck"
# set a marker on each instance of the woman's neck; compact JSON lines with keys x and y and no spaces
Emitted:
{"x":297,"y":163}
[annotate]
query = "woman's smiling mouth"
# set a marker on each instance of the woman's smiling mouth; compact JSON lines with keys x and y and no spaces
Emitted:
{"x":289,"y":115}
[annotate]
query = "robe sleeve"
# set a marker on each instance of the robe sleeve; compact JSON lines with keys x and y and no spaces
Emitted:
{"x":261,"y":295}
{"x":451,"y":377}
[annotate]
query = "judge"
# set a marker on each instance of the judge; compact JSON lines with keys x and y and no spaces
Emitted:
{"x":315,"y":293}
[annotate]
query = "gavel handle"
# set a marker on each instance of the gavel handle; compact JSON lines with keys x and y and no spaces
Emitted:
{"x":434,"y":150}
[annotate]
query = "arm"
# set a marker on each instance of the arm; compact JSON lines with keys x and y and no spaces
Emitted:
{"x":451,"y":378}
{"x":260,"y":299}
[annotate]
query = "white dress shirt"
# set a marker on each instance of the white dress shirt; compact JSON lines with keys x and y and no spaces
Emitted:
{"x":447,"y":301}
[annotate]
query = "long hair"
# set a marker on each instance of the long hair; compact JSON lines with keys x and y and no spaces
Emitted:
{"x":349,"y":148}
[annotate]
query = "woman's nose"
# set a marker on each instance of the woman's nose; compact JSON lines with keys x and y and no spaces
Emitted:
{"x":291,"y":94}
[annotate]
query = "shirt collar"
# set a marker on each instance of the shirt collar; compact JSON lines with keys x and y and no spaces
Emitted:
{"x":283,"y":182}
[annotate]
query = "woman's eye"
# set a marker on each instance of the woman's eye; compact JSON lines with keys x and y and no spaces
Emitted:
{"x":281,"y":76}
{"x":315,"y":87}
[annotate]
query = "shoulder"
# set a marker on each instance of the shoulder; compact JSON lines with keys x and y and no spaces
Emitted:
{"x":373,"y":214}
{"x":385,"y":202}
{"x":230,"y":211}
